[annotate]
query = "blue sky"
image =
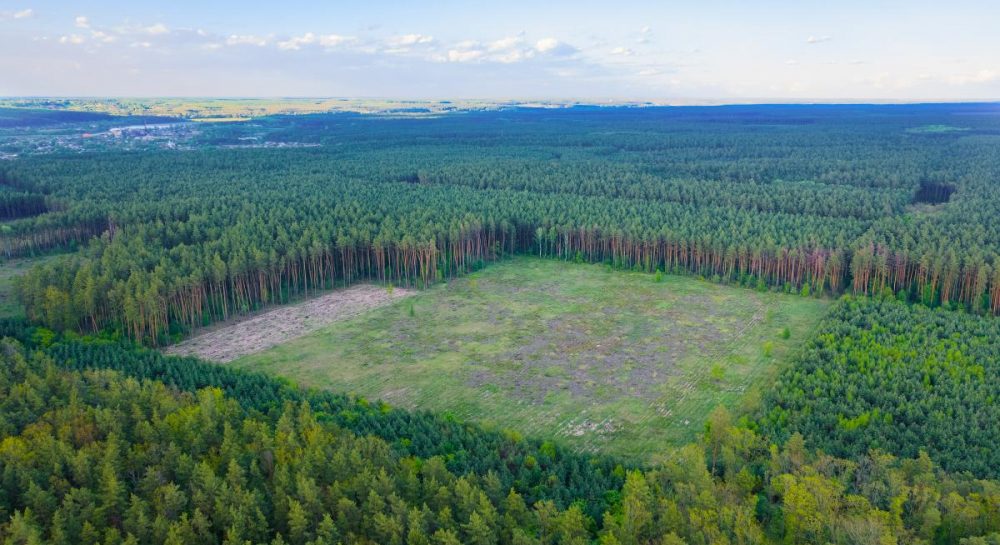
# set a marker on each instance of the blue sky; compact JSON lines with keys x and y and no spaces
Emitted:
{"x":620,"y":50}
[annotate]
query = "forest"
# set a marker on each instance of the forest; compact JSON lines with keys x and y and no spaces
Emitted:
{"x":91,"y":455}
{"x":883,"y":375}
{"x":826,"y":199}
{"x":881,"y":429}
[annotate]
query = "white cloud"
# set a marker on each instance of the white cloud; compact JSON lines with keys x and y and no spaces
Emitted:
{"x":23,"y":14}
{"x":73,"y":39}
{"x":507,"y":50}
{"x":99,"y":36}
{"x":138,"y":30}
{"x":552,"y":46}
{"x":296,"y":42}
{"x":156,"y":29}
{"x":410,"y":39}
{"x":540,"y":52}
{"x":246,"y":39}
{"x":102,"y":37}
{"x":325,"y":40}
{"x":333,"y":40}
{"x":507,"y":43}
{"x":464,"y":51}
{"x":622,"y":51}
{"x":547,"y":44}
{"x":465,"y":55}
{"x":645,"y":29}
{"x":516,"y":55}
{"x":818,"y":39}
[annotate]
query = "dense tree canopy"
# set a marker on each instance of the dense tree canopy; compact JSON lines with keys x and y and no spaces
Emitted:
{"x":537,"y":469}
{"x":882,"y":374}
{"x":776,"y":196}
{"x":93,"y":457}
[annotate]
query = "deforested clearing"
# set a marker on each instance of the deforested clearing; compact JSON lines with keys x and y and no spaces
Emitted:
{"x":603,"y":360}
{"x":250,"y":335}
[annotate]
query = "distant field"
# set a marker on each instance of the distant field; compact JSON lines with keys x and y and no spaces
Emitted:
{"x":234,"y":109}
{"x":605,"y":361}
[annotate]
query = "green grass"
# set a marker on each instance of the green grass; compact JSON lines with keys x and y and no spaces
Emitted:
{"x":604,"y":361}
{"x":9,"y":271}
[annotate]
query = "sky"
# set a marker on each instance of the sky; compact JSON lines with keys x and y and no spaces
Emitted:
{"x":620,"y":50}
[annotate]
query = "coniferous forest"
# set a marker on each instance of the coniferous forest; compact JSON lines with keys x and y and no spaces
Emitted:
{"x":881,"y":429}
{"x":835,"y":199}
{"x":175,"y":451}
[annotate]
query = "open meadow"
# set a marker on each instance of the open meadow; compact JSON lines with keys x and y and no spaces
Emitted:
{"x":606,"y":361}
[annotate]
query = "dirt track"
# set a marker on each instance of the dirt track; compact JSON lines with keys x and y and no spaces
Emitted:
{"x":229,"y":341}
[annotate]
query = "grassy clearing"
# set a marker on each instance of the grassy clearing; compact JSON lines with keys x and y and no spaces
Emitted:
{"x":605,"y":361}
{"x":9,"y":271}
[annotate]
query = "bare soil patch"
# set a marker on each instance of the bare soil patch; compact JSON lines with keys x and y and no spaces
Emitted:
{"x":256,"y":333}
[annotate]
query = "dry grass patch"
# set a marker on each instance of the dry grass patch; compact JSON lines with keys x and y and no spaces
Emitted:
{"x":231,"y":340}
